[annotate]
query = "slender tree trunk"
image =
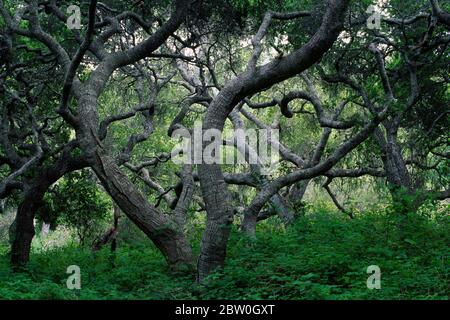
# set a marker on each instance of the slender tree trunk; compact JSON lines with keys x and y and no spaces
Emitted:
{"x":276,"y":201}
{"x":397,"y":172}
{"x":296,"y":195}
{"x":112,"y":256}
{"x":116,"y":227}
{"x":45,"y":229}
{"x":12,"y":231}
{"x":398,"y":177}
{"x":279,"y":207}
{"x":248,"y":225}
{"x":282,"y":210}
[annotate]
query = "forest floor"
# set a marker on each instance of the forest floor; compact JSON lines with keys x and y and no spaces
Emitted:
{"x":322,"y":256}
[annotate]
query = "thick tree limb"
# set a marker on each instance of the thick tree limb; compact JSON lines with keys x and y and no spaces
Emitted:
{"x":443,"y":17}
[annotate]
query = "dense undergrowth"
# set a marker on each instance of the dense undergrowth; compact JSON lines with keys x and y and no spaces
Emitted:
{"x":322,"y":256}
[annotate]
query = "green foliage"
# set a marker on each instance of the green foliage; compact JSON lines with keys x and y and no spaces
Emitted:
{"x":76,"y":202}
{"x":322,"y":256}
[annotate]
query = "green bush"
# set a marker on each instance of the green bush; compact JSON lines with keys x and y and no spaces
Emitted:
{"x":322,"y":256}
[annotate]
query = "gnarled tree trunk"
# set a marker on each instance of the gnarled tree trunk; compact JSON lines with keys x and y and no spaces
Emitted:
{"x":24,"y":228}
{"x":24,"y":231}
{"x":217,"y":198}
{"x":165,"y":233}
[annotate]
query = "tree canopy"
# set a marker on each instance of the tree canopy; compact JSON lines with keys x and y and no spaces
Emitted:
{"x":343,"y":102}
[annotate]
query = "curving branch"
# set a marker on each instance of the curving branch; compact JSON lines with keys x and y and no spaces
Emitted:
{"x":74,"y":63}
{"x":382,"y":71}
{"x":443,"y":17}
{"x":326,"y":186}
{"x":263,"y":29}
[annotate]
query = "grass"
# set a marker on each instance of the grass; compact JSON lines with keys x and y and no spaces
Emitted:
{"x":322,"y":256}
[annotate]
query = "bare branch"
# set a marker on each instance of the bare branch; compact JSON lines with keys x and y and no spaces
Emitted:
{"x":262,"y":31}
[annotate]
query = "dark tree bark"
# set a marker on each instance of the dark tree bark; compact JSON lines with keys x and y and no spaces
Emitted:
{"x":24,"y":230}
{"x":443,"y":16}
